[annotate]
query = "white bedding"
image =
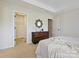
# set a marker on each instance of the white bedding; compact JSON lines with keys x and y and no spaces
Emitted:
{"x":56,"y":47}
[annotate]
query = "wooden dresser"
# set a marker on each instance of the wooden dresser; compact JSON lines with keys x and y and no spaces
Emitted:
{"x":37,"y":36}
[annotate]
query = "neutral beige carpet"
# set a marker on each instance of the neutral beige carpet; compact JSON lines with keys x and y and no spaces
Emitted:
{"x":20,"y":41}
{"x":22,"y":50}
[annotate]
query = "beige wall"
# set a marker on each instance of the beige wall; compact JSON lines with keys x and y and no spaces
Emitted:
{"x":32,"y":12}
{"x":0,"y":27}
{"x":57,"y":26}
{"x":70,"y":22}
{"x":20,"y":26}
{"x":69,"y":25}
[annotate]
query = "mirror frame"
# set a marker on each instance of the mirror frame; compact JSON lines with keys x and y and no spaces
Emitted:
{"x":36,"y":23}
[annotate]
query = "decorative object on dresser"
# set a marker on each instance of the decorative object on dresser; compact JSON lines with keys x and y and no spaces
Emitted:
{"x":37,"y":36}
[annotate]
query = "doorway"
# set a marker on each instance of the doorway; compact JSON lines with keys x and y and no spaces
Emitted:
{"x":20,"y":28}
{"x":50,"y":27}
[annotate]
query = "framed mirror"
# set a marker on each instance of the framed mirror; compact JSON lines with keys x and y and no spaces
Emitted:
{"x":38,"y":23}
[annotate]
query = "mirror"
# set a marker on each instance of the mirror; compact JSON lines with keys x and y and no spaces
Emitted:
{"x":38,"y":23}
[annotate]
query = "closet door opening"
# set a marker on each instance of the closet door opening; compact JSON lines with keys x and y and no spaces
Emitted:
{"x":20,"y":27}
{"x":50,"y":27}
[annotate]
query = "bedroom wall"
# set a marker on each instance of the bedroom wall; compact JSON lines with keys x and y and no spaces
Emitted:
{"x":32,"y":13}
{"x":57,"y":26}
{"x":70,"y":24}
{"x":0,"y":24}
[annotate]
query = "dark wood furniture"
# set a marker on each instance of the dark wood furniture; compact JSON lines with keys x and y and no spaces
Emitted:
{"x":37,"y":36}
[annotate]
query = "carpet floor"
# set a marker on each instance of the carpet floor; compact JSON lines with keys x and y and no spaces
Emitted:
{"x":22,"y":50}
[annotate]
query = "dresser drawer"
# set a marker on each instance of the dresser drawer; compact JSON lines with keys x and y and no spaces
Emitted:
{"x":37,"y":36}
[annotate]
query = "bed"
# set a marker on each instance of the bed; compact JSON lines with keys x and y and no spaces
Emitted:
{"x":57,"y":47}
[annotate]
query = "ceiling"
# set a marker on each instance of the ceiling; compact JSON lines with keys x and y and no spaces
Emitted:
{"x":55,"y":6}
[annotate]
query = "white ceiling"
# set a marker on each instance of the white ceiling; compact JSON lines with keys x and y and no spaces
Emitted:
{"x":55,"y":5}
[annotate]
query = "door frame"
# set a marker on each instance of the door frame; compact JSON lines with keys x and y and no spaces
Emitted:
{"x":25,"y":20}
